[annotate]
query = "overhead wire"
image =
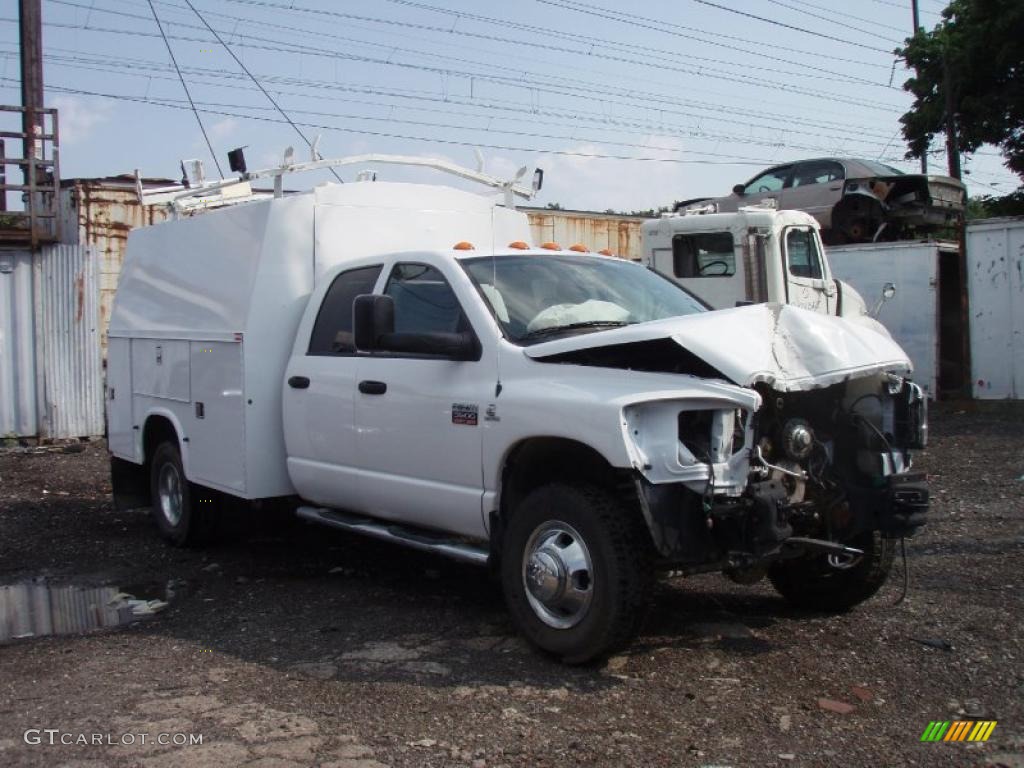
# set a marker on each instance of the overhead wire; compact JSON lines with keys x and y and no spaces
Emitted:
{"x":184,"y":85}
{"x":835,"y":13}
{"x":257,"y":82}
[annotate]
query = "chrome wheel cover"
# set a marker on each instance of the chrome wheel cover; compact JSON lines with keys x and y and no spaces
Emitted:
{"x":169,"y":489}
{"x":558,"y":574}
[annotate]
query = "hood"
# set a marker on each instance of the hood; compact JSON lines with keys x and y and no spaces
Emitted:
{"x":788,"y":348}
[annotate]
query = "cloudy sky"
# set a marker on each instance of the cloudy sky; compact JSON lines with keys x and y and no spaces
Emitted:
{"x":624,"y":109}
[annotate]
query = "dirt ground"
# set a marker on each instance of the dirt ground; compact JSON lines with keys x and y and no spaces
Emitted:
{"x":298,"y":646}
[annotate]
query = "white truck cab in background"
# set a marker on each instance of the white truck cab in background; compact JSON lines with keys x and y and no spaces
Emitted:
{"x":397,"y":360}
{"x":753,"y":255}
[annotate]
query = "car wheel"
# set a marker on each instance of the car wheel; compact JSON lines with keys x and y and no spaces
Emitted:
{"x":576,"y":571}
{"x":177,"y":502}
{"x":810,"y":583}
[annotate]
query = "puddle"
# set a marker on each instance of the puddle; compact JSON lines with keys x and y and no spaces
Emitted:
{"x":37,"y":609}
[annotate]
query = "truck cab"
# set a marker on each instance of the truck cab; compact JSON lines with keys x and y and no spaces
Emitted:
{"x":753,"y":255}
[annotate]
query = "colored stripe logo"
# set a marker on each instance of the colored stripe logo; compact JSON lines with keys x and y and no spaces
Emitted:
{"x":958,"y":730}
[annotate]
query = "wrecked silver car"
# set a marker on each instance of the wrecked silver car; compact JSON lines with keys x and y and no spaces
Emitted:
{"x":855,"y":201}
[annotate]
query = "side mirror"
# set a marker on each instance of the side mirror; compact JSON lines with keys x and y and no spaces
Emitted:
{"x":738,"y":190}
{"x":373,"y":316}
{"x":373,"y":330}
{"x":888,"y":291}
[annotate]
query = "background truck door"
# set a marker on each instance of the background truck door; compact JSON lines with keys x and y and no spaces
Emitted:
{"x":318,"y":399}
{"x":418,"y":418}
{"x":705,"y":264}
{"x":808,"y":284}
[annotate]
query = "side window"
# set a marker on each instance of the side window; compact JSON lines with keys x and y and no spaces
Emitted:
{"x":819,"y":172}
{"x":332,"y":332}
{"x":705,"y":254}
{"x":424,"y":302}
{"x":769,"y":181}
{"x":802,"y":254}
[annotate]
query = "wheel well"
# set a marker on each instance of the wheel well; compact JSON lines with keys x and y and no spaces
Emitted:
{"x":157,"y":430}
{"x":542,"y":460}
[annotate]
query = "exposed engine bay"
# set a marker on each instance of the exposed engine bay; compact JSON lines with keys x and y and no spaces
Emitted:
{"x":823,"y":467}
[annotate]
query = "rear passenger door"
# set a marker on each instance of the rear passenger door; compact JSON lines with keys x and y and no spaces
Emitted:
{"x":816,"y":186}
{"x":319,"y":399}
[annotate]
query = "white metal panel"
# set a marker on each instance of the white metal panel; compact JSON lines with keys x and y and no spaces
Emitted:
{"x":160,"y":368}
{"x":67,"y":320}
{"x":911,"y":316}
{"x":120,"y":434}
{"x":995,"y":280}
{"x":17,"y":346}
{"x":216,"y":430}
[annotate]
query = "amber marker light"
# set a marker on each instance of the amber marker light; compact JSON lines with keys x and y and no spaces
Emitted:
{"x":606,"y":252}
{"x":464,"y":246}
{"x":519,"y":245}
{"x":579,"y":248}
{"x":549,"y":246}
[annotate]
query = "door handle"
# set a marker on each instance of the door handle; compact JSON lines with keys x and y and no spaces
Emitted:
{"x":299,"y":382}
{"x":369,"y":387}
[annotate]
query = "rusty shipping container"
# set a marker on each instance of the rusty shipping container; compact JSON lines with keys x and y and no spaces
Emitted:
{"x":617,"y":232}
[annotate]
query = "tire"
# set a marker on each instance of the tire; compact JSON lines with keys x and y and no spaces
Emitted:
{"x":176,"y":501}
{"x":593,"y":601}
{"x":811,"y":584}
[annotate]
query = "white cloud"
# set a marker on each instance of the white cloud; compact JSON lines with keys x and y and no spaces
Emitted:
{"x":222,"y":130}
{"x":78,"y":117}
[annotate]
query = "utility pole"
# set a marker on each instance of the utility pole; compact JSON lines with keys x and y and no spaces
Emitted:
{"x":952,"y":142}
{"x":31,"y":38}
{"x":917,"y":26}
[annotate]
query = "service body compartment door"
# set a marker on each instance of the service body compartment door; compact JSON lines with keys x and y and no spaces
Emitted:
{"x":120,"y":433}
{"x":216,"y":428}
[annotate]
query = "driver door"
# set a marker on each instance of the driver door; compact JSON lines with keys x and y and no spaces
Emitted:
{"x":418,"y":417}
{"x":767,"y":186}
{"x":807,"y":283}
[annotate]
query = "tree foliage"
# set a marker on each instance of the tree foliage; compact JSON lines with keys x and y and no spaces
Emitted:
{"x":982,"y":43}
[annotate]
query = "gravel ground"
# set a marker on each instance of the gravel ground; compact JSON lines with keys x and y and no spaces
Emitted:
{"x":298,"y":646}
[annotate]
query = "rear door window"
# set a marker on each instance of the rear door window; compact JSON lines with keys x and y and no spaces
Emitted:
{"x":332,"y":332}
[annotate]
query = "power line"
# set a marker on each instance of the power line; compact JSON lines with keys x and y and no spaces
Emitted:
{"x":565,"y":153}
{"x":794,"y":28}
{"x":185,"y":86}
{"x":520,"y":81}
{"x":831,"y":20}
{"x":592,"y":51}
{"x":257,"y":82}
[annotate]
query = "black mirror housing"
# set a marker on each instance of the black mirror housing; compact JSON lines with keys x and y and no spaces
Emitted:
{"x":738,"y":190}
{"x":373,"y":316}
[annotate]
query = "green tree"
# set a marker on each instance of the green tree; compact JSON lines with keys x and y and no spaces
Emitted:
{"x":981,"y":42}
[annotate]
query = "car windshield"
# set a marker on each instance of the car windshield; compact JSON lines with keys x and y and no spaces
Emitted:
{"x":880,"y":169}
{"x":537,"y":298}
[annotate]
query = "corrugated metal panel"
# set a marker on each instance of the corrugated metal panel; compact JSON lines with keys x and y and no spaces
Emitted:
{"x":68,"y":319}
{"x":995,"y":284}
{"x":100,"y":214}
{"x":17,"y":345}
{"x":619,"y":234}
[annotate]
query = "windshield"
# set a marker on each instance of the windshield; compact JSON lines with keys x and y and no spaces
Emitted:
{"x":536,"y":298}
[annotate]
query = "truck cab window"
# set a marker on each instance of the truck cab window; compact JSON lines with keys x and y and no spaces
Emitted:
{"x":704,"y":254}
{"x":332,"y":332}
{"x":424,"y":302}
{"x":802,"y":253}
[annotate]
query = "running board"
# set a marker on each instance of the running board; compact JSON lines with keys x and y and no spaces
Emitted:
{"x":409,"y":537}
{"x":821,"y":545}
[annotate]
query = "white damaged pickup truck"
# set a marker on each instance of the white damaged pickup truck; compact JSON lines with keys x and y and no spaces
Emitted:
{"x":400,"y":361}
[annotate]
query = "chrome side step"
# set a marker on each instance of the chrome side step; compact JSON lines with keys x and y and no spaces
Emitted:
{"x":409,"y":537}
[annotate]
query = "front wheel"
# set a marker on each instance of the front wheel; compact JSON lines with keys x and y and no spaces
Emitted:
{"x":812,"y":584}
{"x":576,"y":571}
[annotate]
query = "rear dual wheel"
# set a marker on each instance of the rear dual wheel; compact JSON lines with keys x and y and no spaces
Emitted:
{"x":183,"y":511}
{"x":576,"y":571}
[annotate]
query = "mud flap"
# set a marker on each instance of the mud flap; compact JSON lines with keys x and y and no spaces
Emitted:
{"x":130,"y":483}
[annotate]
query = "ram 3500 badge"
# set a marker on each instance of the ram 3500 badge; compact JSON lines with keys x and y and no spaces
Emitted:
{"x":574,"y":422}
